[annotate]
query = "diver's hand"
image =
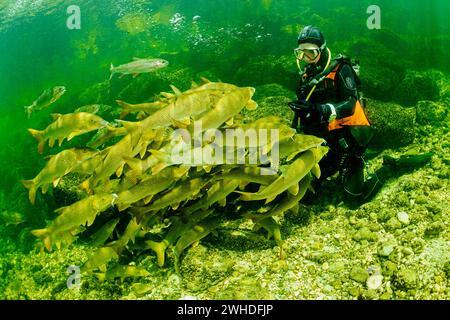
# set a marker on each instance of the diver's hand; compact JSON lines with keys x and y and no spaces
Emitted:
{"x":302,"y":106}
{"x":303,"y":109}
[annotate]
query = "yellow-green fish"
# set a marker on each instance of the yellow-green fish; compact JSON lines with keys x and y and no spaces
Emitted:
{"x":67,"y":127}
{"x":57,"y":166}
{"x":227,"y":107}
{"x":148,"y":108}
{"x":100,"y":259}
{"x":122,"y":272}
{"x":216,"y":193}
{"x":290,"y":178}
{"x":48,"y":97}
{"x":186,"y":190}
{"x":149,"y":187}
{"x":12,"y":218}
{"x":103,"y":234}
{"x":82,"y":212}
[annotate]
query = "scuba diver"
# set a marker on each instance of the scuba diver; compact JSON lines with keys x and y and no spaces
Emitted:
{"x":329,"y":107}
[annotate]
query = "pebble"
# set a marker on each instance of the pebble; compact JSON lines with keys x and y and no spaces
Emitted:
{"x":374,"y":282}
{"x":403,"y":217}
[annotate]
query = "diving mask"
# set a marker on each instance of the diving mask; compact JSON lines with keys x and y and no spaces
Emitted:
{"x":310,"y":54}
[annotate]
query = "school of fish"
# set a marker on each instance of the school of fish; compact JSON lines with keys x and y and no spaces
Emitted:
{"x":132,"y":178}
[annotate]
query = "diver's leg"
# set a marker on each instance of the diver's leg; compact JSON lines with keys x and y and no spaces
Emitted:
{"x":353,"y":178}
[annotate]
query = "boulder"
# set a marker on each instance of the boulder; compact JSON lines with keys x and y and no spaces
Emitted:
{"x":268,"y":69}
{"x":430,"y":112}
{"x":393,"y":125}
{"x":416,"y":86}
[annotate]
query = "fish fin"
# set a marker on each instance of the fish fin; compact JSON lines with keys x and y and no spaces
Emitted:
{"x":180,"y":171}
{"x":159,"y":248}
{"x":294,"y":209}
{"x":183,"y":123}
{"x":133,"y":163}
{"x":51,"y":142}
{"x":135,"y":75}
{"x":56,"y":116}
{"x":291,"y":156}
{"x":119,"y":170}
{"x":148,"y":199}
{"x":160,"y":155}
{"x":251,"y":105}
{"x":71,"y":136}
{"x":222,"y":202}
{"x":194,"y":85}
{"x":270,"y":199}
{"x":56,"y":182}
{"x":207,"y":168}
{"x":31,"y":186}
{"x":175,"y":206}
{"x":45,"y":236}
{"x":293,"y":189}
{"x":129,"y":125}
{"x":205,"y":80}
{"x":125,"y":108}
{"x":38,"y":136}
{"x":176,"y":90}
{"x":101,"y":277}
{"x":243,"y":184}
{"x":85,"y":185}
{"x":167,"y":95}
{"x":111,"y":68}
{"x":143,"y":151}
{"x":316,"y":171}
{"x":28,"y":111}
{"x":45,"y":188}
{"x":245,"y":196}
{"x":157,"y":168}
{"x":230,"y":121}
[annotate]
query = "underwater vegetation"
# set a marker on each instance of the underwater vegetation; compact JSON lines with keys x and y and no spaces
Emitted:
{"x":167,"y":202}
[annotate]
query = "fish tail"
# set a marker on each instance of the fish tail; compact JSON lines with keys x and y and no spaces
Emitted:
{"x":28,"y":111}
{"x":43,"y":234}
{"x":111,"y":68}
{"x":31,"y":186}
{"x":38,"y":136}
{"x":100,"y":276}
{"x":125,"y":108}
{"x":159,"y":248}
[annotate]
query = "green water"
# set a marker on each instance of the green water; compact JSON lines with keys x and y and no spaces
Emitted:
{"x":218,"y":39}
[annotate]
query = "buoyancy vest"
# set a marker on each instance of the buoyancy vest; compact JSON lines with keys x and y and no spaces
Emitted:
{"x":358,"y":118}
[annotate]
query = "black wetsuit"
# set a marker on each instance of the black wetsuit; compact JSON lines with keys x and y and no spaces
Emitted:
{"x":345,"y":153}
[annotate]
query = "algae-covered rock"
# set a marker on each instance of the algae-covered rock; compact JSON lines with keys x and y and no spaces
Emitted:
{"x":379,"y":81}
{"x":272,"y":90}
{"x":393,"y":125}
{"x":416,"y":86}
{"x":359,"y":274}
{"x":269,"y":69}
{"x":135,"y":22}
{"x":430,"y":112}
{"x":365,"y":234}
{"x":271,"y":106}
{"x":96,"y":94}
{"x":405,"y":279}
